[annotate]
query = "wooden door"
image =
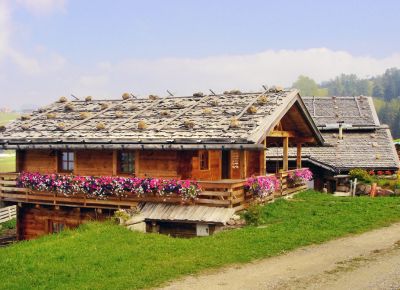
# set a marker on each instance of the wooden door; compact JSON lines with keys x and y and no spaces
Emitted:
{"x":226,"y":164}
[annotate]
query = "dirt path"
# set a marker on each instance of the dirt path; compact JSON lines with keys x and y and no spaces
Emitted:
{"x":367,"y":261}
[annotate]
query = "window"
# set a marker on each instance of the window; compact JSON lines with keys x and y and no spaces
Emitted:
{"x":55,"y":226}
{"x":66,"y":161}
{"x":204,"y":162}
{"x":126,"y":162}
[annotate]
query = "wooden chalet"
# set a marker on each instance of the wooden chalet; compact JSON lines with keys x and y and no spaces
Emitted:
{"x":354,"y":138}
{"x":217,"y":139}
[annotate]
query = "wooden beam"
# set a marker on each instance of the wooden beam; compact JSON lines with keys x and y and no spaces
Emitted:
{"x":282,"y":134}
{"x":243,"y":163}
{"x":262,"y":159}
{"x":152,"y":105}
{"x":298,"y":156}
{"x":250,"y":104}
{"x":183,"y":112}
{"x":97,"y":114}
{"x":285,"y":153}
{"x":115,"y":162}
{"x":305,"y":140}
{"x":237,"y":117}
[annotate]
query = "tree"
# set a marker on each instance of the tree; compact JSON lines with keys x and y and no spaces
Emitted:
{"x":308,"y":87}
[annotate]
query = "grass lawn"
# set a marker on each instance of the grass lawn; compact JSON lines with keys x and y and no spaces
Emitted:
{"x":106,"y":256}
{"x":7,"y":117}
{"x":7,"y":164}
{"x":8,"y":225}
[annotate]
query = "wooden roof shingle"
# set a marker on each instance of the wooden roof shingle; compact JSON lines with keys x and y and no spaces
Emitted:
{"x":121,"y":119}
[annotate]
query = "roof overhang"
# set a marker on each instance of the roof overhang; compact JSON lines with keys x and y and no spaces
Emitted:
{"x":269,"y":123}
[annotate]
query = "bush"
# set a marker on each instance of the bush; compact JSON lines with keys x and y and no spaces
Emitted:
{"x":361,"y":175}
{"x":254,"y":215}
{"x":397,"y":185}
{"x":11,"y":224}
{"x":383,"y":182}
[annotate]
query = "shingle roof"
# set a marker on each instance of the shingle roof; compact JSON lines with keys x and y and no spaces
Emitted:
{"x":357,"y":111}
{"x":188,"y":213}
{"x":359,"y":149}
{"x":200,"y":119}
{"x":366,"y":143}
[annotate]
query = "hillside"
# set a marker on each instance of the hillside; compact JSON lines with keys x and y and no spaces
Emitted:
{"x":107,"y":256}
{"x":7,"y":117}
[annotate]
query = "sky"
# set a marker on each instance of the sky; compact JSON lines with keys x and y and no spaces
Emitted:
{"x":53,"y":48}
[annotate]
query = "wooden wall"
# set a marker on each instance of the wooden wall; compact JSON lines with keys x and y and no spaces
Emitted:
{"x":157,"y":163}
{"x":214,"y":171}
{"x":93,"y":162}
{"x":34,"y":222}
{"x":43,"y":161}
{"x":151,"y":163}
{"x":253,"y":163}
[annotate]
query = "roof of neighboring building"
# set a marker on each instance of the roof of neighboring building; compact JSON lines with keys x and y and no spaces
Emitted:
{"x":365,"y":144}
{"x":149,"y":122}
{"x":358,"y":111}
{"x":359,"y":149}
{"x":186,"y":213}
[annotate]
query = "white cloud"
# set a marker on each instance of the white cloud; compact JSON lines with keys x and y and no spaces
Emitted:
{"x":243,"y":71}
{"x":43,"y":7}
{"x":187,"y":75}
{"x":93,"y":81}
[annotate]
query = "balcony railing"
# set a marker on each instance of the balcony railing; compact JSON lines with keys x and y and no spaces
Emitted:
{"x":222,"y":193}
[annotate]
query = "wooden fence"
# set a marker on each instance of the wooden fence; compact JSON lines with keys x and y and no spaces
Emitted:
{"x":221,"y":193}
{"x":8,"y":213}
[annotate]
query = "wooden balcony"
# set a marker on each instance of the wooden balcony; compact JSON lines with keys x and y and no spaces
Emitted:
{"x":223,"y":193}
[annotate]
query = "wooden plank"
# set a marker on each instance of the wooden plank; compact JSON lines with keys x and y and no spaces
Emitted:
{"x":8,"y":182}
{"x":11,"y":189}
{"x":282,"y":134}
{"x":214,"y":193}
{"x":212,"y":201}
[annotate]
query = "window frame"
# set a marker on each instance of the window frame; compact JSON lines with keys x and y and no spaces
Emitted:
{"x":203,"y":153}
{"x":68,"y":161}
{"x":131,"y":161}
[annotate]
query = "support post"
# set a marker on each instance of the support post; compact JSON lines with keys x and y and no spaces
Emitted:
{"x":262,"y":160}
{"x":285,"y":153}
{"x":298,"y":156}
{"x":115,"y":162}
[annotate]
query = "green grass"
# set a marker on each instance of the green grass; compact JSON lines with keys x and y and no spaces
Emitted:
{"x":8,"y":225}
{"x":7,"y":164}
{"x":106,"y":256}
{"x":7,"y":117}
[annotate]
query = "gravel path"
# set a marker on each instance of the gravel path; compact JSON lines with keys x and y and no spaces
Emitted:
{"x":367,"y":261}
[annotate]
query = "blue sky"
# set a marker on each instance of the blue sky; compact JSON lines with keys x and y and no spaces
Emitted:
{"x":50,"y":48}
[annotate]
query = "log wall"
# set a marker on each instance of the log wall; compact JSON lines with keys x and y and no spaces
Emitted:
{"x":94,"y":162}
{"x":149,"y":163}
{"x":34,"y":222}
